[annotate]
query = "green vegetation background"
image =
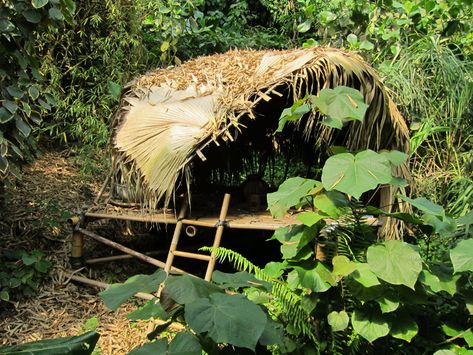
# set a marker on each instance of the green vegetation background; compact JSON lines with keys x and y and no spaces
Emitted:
{"x":63,"y":63}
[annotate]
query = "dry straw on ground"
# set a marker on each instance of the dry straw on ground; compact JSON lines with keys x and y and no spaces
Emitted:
{"x":50,"y":185}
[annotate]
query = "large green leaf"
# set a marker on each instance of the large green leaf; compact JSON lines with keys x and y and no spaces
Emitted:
{"x":389,"y":301}
{"x":273,"y":333}
{"x":338,"y":320}
{"x":364,"y":275}
{"x":238,"y":280}
{"x":184,"y":343}
{"x":310,"y":218}
{"x":312,"y":276}
{"x":293,"y":238}
{"x":185,"y":289}
{"x":116,"y":294}
{"x":370,"y":323}
{"x":76,"y":345}
{"x":462,"y":256}
{"x":340,"y":105}
{"x":152,"y":309}
{"x":395,"y":262}
{"x":332,"y":203}
{"x":356,"y":174}
{"x":342,"y":265}
{"x":230,"y":319}
{"x":293,"y":113}
{"x":403,"y":327}
{"x":439,"y":280}
{"x":288,"y":195}
{"x":424,"y":205}
{"x":395,"y":157}
{"x":156,"y":347}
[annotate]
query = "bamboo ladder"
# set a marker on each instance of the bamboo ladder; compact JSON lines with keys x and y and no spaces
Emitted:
{"x":218,"y":237}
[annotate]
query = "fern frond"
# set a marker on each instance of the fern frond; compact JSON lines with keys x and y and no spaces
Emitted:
{"x":287,"y":299}
{"x":239,"y":261}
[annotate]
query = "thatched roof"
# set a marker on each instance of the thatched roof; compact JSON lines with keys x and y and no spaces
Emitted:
{"x":172,"y":117}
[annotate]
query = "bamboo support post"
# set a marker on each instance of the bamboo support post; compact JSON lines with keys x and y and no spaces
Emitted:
{"x":176,"y":235}
{"x":218,"y":236}
{"x":126,"y":250}
{"x":99,"y":284}
{"x":77,"y":244}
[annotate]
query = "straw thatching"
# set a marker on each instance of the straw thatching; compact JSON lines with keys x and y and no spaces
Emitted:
{"x":213,"y":112}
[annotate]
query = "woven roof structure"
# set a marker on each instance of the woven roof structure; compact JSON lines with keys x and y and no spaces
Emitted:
{"x":174,"y":118}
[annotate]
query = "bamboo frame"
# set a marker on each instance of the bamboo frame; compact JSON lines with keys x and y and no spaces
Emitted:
{"x":127,"y":250}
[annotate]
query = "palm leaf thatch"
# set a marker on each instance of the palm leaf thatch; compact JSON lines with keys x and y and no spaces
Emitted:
{"x":172,"y":120}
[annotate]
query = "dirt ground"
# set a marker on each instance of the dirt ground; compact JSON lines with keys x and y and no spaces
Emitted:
{"x":34,"y":217}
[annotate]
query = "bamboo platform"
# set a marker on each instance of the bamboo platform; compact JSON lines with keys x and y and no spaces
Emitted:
{"x":237,"y":218}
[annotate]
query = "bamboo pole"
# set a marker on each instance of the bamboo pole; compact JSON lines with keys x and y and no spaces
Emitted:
{"x":185,"y":254}
{"x":176,"y":235}
{"x":99,"y":284}
{"x":119,"y":257}
{"x":218,"y":236}
{"x":126,"y":250}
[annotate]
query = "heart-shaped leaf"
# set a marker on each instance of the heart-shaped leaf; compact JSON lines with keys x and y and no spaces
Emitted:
{"x":356,"y":174}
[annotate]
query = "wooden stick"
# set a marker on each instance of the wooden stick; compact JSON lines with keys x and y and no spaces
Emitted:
{"x":99,"y":284}
{"x":218,"y":236}
{"x":126,"y":250}
{"x":104,"y":186}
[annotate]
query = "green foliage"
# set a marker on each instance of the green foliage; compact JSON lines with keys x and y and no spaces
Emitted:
{"x":21,"y":273}
{"x":356,"y":174}
{"x":290,"y":193}
{"x":338,"y":106}
{"x":87,"y":63}
{"x":462,"y":256}
{"x":116,"y":294}
{"x":78,"y":345}
{"x":230,"y":319}
{"x":395,"y":262}
{"x":23,"y":101}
